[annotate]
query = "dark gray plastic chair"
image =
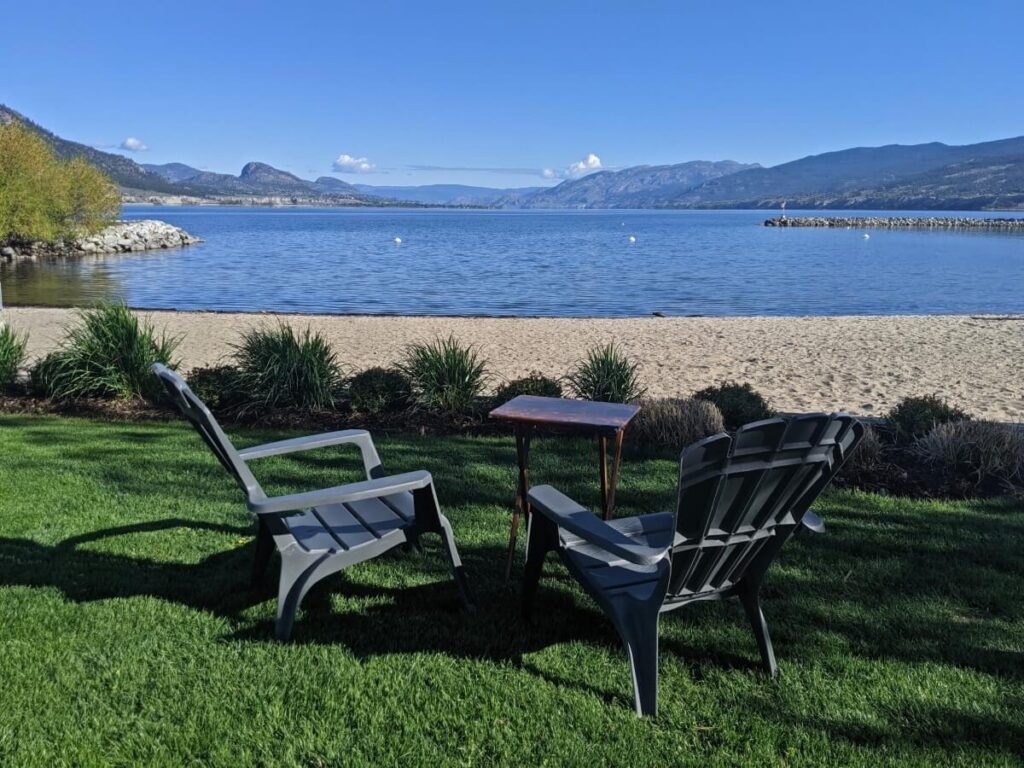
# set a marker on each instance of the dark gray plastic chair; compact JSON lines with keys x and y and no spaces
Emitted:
{"x":740,"y":498}
{"x":321,"y":532}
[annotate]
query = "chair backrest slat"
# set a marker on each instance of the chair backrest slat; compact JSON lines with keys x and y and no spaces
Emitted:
{"x":740,"y":497}
{"x":193,"y":409}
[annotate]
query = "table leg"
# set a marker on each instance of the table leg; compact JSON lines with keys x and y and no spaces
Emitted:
{"x":602,"y":451}
{"x":616,"y":460}
{"x":522,"y":506}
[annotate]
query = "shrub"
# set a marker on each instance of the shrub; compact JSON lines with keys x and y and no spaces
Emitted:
{"x":40,"y":375}
{"x":278,"y":368}
{"x":536,"y":384}
{"x":915,"y":416}
{"x":445,"y":376}
{"x":107,"y":355}
{"x":606,"y":375}
{"x":675,"y":422}
{"x":45,"y":198}
{"x":967,"y":454}
{"x":218,"y":386}
{"x":739,"y":403}
{"x":868,"y":466}
{"x":12,"y":355}
{"x":379,"y":390}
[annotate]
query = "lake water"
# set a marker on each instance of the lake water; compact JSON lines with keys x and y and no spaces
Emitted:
{"x":552,"y":263}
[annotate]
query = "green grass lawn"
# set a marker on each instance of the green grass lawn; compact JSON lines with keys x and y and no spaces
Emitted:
{"x":129,"y":634}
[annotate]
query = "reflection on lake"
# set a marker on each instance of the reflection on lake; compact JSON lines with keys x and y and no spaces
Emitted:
{"x":70,"y":283}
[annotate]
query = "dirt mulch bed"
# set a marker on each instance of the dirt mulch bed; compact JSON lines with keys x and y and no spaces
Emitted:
{"x":417,"y":422}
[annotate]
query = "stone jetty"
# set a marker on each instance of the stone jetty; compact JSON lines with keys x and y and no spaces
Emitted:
{"x":122,"y":237}
{"x":899,"y":222}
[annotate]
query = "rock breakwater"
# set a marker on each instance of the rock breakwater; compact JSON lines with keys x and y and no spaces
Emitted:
{"x":899,"y":222}
{"x":122,"y":237}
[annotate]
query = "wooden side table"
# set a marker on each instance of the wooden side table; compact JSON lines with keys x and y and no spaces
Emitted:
{"x":527,"y":414}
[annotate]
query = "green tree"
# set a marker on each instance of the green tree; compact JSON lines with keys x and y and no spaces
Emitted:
{"x":45,"y":198}
{"x":91,"y":199}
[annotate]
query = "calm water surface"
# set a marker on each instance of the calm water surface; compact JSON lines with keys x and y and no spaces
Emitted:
{"x":552,"y":263}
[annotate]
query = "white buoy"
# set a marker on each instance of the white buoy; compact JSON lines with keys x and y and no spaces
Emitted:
{"x":867,"y":236}
{"x":398,"y":241}
{"x":632,"y":239}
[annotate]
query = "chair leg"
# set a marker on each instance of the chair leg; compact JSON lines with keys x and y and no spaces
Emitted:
{"x":458,"y":572}
{"x":748,"y":596}
{"x":541,"y":538}
{"x":639,"y":630}
{"x":292,"y":587}
{"x":264,"y":550}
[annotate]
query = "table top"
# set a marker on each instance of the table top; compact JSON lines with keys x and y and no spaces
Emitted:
{"x":569,"y":414}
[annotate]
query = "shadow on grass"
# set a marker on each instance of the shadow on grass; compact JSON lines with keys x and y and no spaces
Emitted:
{"x":804,"y":612}
{"x":399,"y":619}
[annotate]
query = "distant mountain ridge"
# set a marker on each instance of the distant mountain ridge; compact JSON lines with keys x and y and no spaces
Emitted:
{"x":178,"y":179}
{"x":448,"y":194}
{"x":979,"y":176}
{"x":893,"y":176}
{"x":254,"y":179}
{"x":643,"y":186}
{"x":173,"y":172}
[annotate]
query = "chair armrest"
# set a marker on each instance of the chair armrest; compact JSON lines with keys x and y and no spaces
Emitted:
{"x":812,"y":522}
{"x":358,"y":437}
{"x":566,"y":513}
{"x":367,"y":489}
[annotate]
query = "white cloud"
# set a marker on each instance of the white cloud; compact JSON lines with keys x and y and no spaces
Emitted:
{"x":134,"y":145}
{"x":576,"y":170}
{"x":349,"y":164}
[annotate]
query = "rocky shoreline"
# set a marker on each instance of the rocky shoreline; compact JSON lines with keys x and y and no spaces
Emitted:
{"x":122,"y":237}
{"x":898,"y":222}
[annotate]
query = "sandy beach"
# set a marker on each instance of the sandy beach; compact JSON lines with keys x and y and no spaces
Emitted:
{"x":862,"y":364}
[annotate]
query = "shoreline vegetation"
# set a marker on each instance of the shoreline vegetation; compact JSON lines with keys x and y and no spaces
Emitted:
{"x":899,"y":222}
{"x":53,"y":207}
{"x":863,"y":364}
{"x":278,"y":375}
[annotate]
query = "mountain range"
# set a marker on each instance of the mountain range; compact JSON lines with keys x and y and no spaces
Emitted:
{"x":644,"y":186}
{"x":254,"y":179}
{"x":449,"y":194}
{"x":987,"y":175}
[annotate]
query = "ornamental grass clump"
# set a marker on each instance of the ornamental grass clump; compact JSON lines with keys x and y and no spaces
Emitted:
{"x":970,"y":454}
{"x":107,"y":355}
{"x":607,"y":375}
{"x":739,"y":403}
{"x":281,"y":369}
{"x":674,"y":422}
{"x":12,"y":355}
{"x":872,"y":466}
{"x":446,"y":377}
{"x":379,"y":390}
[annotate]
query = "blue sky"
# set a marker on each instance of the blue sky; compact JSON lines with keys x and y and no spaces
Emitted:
{"x":495,"y":93}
